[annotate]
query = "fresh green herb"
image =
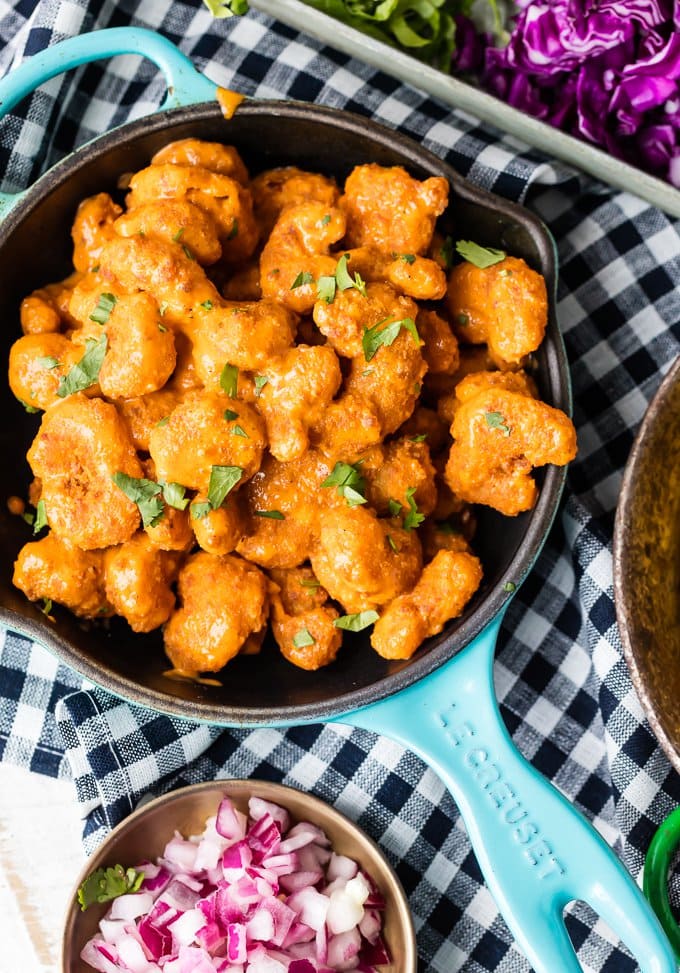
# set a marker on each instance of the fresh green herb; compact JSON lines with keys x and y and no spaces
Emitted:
{"x":229,"y":380}
{"x":260,"y":382}
{"x":223,"y":479}
{"x":326,"y":220}
{"x":187,"y":252}
{"x":40,"y":517}
{"x":95,"y":269}
{"x":509,"y":586}
{"x":479,"y":256}
{"x":163,"y":308}
{"x":391,"y":542}
{"x":48,"y":362}
{"x":174,"y":495}
{"x":446,"y":252}
{"x":199,"y":510}
{"x":505,"y":273}
{"x":394,"y":508}
{"x":162,"y":328}
{"x":164,"y":421}
{"x":240,"y":431}
{"x":343,"y":278}
{"x":46,"y":606}
{"x":270,"y":514}
{"x":418,"y":439}
{"x":310,"y":583}
{"x":178,"y":236}
{"x":105,"y":305}
{"x":108,"y":883}
{"x":29,"y":408}
{"x":302,"y":638}
{"x":358,"y":622}
{"x":412,"y":518}
{"x":378,"y":335}
{"x":304,"y":277}
{"x":463,"y":319}
{"x":349,"y":481}
{"x":325,"y":289}
{"x":366,"y":372}
{"x":230,"y":415}
{"x":495,"y":420}
{"x":233,"y":233}
{"x":28,"y":517}
{"x":408,"y":258}
{"x":145,"y":493}
{"x":85,"y":372}
{"x":208,"y":305}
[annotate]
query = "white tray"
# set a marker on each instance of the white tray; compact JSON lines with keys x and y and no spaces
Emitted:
{"x":551,"y":141}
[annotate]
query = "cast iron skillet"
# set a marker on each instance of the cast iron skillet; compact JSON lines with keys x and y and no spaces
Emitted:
{"x":536,"y":852}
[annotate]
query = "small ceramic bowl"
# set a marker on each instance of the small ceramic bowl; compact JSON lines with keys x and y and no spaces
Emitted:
{"x":144,"y":834}
{"x":647,"y":564}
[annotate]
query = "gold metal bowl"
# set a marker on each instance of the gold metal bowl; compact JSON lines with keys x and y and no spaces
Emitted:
{"x":647,"y":564}
{"x":144,"y":834}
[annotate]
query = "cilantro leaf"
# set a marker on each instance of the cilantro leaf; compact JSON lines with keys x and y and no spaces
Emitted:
{"x":260,"y":382}
{"x":229,"y":380}
{"x":326,"y":220}
{"x":199,"y":510}
{"x":40,"y":517}
{"x":145,"y":493}
{"x":392,"y":543}
{"x":481,"y":257}
{"x":302,"y":638}
{"x":408,"y":258}
{"x":46,"y":606}
{"x":105,"y":884}
{"x":304,"y":277}
{"x":310,"y":583}
{"x":418,"y":439}
{"x":495,"y":420}
{"x":240,"y":431}
{"x":230,"y":415}
{"x":174,"y":495}
{"x":208,"y":305}
{"x":178,"y":236}
{"x":223,"y":479}
{"x":509,"y":587}
{"x":349,"y":481}
{"x":394,"y":508}
{"x":325,"y":289}
{"x":105,"y":305}
{"x":164,"y":421}
{"x":233,"y":232}
{"x":271,"y":514}
{"x":412,"y":518}
{"x":358,"y":622}
{"x":28,"y":407}
{"x":343,"y":278}
{"x":85,"y":372}
{"x":162,"y":328}
{"x":48,"y":361}
{"x":378,"y":335}
{"x":446,"y":252}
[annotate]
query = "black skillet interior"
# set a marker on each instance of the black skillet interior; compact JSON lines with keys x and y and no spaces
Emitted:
{"x":36,"y":249}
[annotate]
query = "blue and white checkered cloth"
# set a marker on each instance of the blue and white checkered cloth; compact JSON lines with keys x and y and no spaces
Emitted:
{"x":563,"y":685}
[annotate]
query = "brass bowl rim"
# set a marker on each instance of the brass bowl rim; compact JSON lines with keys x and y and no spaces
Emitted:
{"x":319,"y":812}
{"x":621,"y":556}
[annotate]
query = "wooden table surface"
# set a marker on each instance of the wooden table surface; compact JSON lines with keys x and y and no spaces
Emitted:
{"x":40,"y":857}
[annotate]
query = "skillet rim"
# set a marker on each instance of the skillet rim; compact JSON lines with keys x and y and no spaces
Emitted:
{"x":540,"y":518}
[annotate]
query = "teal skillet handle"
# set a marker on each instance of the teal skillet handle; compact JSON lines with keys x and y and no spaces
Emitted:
{"x":536,"y":851}
{"x":185,"y":85}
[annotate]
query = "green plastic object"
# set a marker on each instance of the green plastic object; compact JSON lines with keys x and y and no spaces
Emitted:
{"x":655,"y":882}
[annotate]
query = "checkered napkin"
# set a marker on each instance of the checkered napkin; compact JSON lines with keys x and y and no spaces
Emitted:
{"x":564,"y":688}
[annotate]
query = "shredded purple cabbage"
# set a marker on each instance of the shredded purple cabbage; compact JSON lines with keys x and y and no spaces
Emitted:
{"x":607,"y":71}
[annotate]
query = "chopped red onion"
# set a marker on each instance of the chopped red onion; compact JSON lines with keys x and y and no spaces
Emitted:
{"x":248,"y":895}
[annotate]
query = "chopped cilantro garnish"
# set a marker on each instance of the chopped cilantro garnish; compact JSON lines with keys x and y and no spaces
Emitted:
{"x":304,"y":277}
{"x":208,"y":305}
{"x":105,"y":305}
{"x":233,"y":233}
{"x":271,"y":514}
{"x":302,"y":638}
{"x":174,"y":495}
{"x":463,"y":319}
{"x":408,"y":258}
{"x":446,"y":252}
{"x":46,"y":606}
{"x":394,"y":508}
{"x":240,"y":431}
{"x":325,"y":289}
{"x":230,"y":415}
{"x":229,"y":380}
{"x":509,"y":586}
{"x":223,"y":479}
{"x":349,"y":481}
{"x":310,"y":583}
{"x":105,"y":884}
{"x":178,"y":236}
{"x":187,"y":252}
{"x":481,"y":257}
{"x":163,"y":308}
{"x":495,"y":420}
{"x":386,"y":334}
{"x":358,"y":622}
{"x":164,"y":421}
{"x":199,"y":510}
{"x":412,"y":518}
{"x":48,"y":361}
{"x":418,"y":439}
{"x":260,"y":382}
{"x":391,"y":542}
{"x":145,"y":493}
{"x":343,"y":278}
{"x":85,"y":372}
{"x":40,"y":517}
{"x":28,"y":407}
{"x":326,"y":220}
{"x":162,"y":328}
